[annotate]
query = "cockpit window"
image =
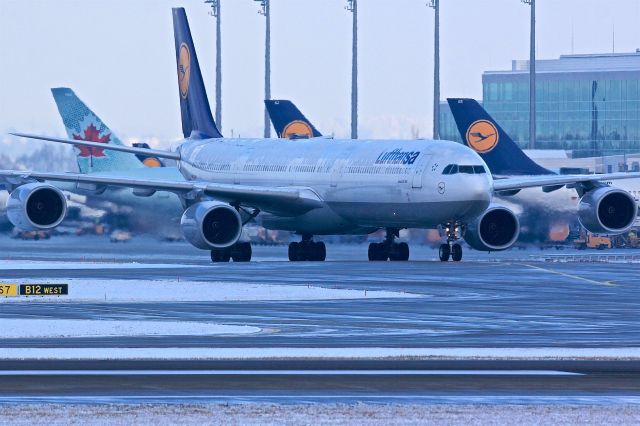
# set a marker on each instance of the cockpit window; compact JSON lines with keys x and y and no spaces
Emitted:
{"x":452,"y":169}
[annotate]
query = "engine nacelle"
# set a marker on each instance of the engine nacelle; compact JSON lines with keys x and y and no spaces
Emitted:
{"x":496,"y":229}
{"x":211,"y":225}
{"x":36,"y":206}
{"x":607,"y":210}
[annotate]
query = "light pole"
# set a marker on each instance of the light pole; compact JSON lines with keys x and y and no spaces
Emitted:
{"x":352,"y":6}
{"x":532,"y":75}
{"x":266,"y":12}
{"x":215,"y":12}
{"x":435,"y":4}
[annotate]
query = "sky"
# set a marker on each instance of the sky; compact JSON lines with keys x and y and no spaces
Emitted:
{"x":119,"y":58}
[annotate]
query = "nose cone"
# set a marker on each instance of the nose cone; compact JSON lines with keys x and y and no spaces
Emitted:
{"x":478,"y":192}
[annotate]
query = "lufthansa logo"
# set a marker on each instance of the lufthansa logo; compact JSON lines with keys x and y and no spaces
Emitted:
{"x":297,"y":129}
{"x":441,"y":188}
{"x":184,"y":70}
{"x":482,"y":136}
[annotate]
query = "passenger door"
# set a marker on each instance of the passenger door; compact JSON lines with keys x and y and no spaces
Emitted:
{"x":418,"y":171}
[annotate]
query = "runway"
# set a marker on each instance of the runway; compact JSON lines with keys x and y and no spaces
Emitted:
{"x":510,"y":306}
{"x":461,"y":382}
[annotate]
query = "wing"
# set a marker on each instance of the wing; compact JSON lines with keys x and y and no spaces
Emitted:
{"x":282,"y":201}
{"x":557,"y":181}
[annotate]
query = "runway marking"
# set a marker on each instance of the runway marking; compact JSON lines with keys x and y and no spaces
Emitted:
{"x":575,"y":277}
{"x":11,"y":373}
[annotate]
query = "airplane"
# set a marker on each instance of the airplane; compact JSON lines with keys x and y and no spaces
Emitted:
{"x":159,"y":212}
{"x":288,"y":121}
{"x":505,"y":158}
{"x":316,"y":187}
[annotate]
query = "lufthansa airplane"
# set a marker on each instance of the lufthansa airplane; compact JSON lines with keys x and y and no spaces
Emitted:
{"x":316,"y":186}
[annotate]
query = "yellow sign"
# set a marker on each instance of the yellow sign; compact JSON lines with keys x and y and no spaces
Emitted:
{"x":482,"y":136}
{"x":8,"y":290}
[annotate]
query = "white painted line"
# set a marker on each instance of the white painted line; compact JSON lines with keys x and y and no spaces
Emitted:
{"x":262,"y":353}
{"x":287,"y":373}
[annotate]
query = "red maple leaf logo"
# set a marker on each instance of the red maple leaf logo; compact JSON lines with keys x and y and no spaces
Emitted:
{"x":91,"y":134}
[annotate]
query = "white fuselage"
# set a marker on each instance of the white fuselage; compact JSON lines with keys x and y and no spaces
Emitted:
{"x":364,"y":185}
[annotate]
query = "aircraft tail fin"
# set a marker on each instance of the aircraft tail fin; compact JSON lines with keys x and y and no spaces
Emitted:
{"x":83,"y":124}
{"x":289,"y":121}
{"x":480,"y":132}
{"x":197,"y":121}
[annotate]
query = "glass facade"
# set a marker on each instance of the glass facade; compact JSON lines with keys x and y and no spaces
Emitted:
{"x":588,"y":104}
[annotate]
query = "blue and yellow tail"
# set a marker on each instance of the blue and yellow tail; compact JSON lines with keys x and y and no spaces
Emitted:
{"x":289,"y":121}
{"x":480,"y":132}
{"x":83,"y":124}
{"x":197,"y":121}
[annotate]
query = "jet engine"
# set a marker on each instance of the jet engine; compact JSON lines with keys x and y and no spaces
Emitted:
{"x":211,"y":225}
{"x":36,"y":206}
{"x":607,"y":210}
{"x":496,"y":229}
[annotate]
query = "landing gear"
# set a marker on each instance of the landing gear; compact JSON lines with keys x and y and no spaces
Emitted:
{"x":389,"y":249}
{"x":239,"y":252}
{"x":451,"y":248}
{"x":307,"y":250}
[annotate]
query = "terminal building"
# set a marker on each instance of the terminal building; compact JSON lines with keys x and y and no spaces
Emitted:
{"x":587,"y":105}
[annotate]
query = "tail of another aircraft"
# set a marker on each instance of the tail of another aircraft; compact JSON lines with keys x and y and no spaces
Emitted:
{"x":288,"y":121}
{"x":480,"y":132}
{"x":197,"y":121}
{"x":83,"y":124}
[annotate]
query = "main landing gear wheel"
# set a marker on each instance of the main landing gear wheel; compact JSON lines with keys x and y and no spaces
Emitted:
{"x":307,"y":250}
{"x":239,"y":252}
{"x":389,"y":250}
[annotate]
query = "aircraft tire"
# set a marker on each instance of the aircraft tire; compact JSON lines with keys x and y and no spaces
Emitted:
{"x":319,"y":251}
{"x":403,"y":251}
{"x":294,"y":250}
{"x":444,"y":252}
{"x":220,"y":256}
{"x":456,"y":252}
{"x":242,"y":252}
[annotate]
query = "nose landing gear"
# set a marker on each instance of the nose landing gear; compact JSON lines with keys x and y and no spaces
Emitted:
{"x":451,"y":248}
{"x":389,"y":249}
{"x":308,"y":250}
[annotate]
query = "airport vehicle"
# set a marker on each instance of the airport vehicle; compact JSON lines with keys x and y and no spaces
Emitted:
{"x":315,"y":187}
{"x":592,"y":241}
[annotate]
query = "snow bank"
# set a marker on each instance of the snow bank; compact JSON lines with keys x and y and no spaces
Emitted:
{"x":8,"y":265}
{"x":59,"y":328}
{"x":95,"y":290}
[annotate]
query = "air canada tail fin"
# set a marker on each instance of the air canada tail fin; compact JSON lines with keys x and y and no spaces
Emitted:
{"x":83,"y":124}
{"x":480,"y":132}
{"x":289,"y":121}
{"x":197,"y":121}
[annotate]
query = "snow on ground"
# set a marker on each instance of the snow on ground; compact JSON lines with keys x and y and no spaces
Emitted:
{"x":319,"y":414}
{"x":185,"y":354}
{"x":40,"y":265}
{"x":61,"y":328}
{"x":95,"y":290}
